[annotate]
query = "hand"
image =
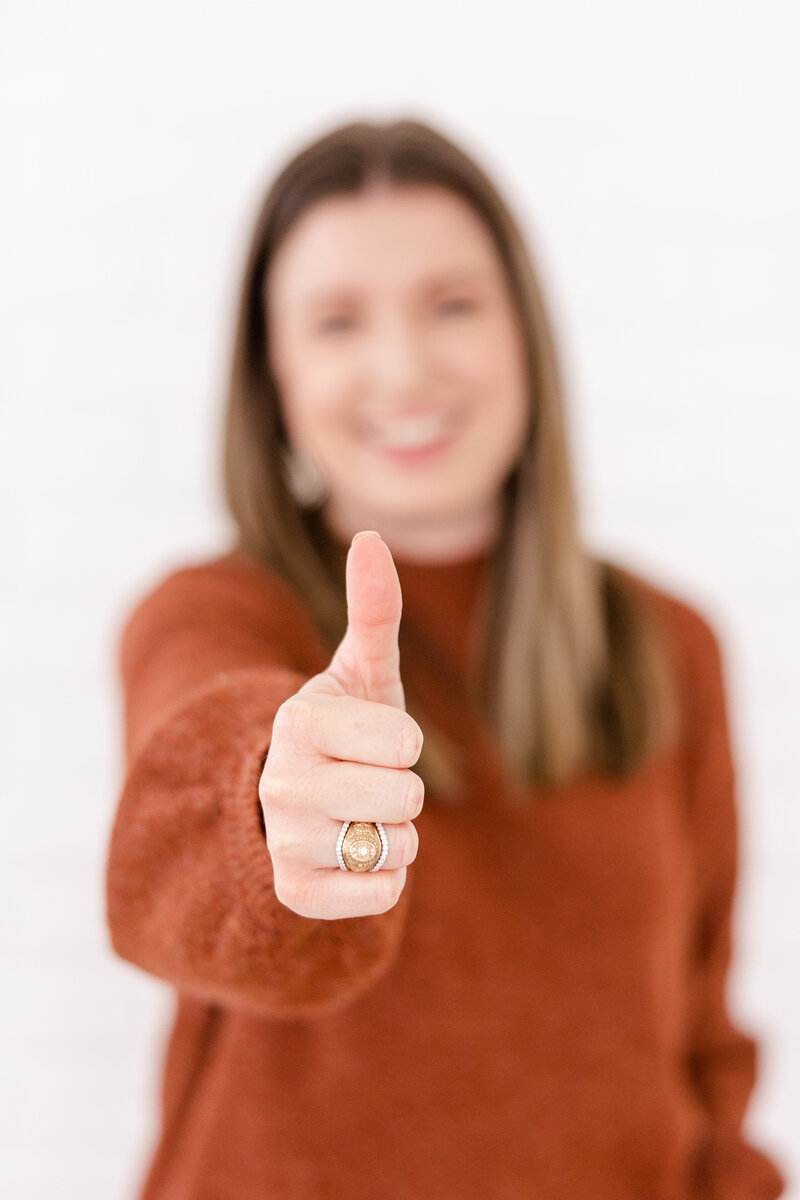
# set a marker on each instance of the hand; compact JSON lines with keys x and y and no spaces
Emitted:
{"x":340,"y":751}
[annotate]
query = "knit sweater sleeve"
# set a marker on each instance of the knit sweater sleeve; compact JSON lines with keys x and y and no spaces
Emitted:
{"x":722,"y":1057}
{"x":205,"y":661}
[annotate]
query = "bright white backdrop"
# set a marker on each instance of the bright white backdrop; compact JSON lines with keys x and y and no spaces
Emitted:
{"x":648,"y":152}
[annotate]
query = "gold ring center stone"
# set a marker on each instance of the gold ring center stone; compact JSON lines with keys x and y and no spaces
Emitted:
{"x":361,"y":847}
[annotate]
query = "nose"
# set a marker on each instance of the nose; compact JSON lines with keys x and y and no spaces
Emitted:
{"x":398,"y":365}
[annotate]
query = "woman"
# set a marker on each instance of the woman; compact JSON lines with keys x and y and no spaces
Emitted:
{"x":521,"y":990}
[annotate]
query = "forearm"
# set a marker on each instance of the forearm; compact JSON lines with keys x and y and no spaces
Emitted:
{"x":189,"y":884}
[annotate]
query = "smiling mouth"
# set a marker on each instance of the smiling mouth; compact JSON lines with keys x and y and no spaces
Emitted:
{"x":412,"y":435}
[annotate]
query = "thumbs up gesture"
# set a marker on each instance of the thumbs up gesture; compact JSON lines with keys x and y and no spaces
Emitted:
{"x":341,"y":751}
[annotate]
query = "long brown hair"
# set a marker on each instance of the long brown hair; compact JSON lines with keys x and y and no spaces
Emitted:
{"x":569,"y":668}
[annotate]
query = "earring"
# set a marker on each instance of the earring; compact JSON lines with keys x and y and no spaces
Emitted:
{"x":308,"y":487}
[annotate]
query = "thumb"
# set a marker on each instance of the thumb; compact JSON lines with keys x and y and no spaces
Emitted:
{"x":368,"y":657}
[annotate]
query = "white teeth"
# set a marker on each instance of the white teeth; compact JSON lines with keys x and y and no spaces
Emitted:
{"x":412,"y":432}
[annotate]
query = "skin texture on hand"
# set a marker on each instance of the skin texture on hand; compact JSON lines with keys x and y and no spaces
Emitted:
{"x":341,"y":750}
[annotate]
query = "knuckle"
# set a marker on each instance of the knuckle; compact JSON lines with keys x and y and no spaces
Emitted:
{"x":410,"y":741}
{"x":394,"y":884}
{"x":265,"y":788}
{"x":284,"y":890}
{"x":415,"y":796}
{"x":292,"y":718}
{"x":280,"y":732}
{"x":272,"y":789}
{"x":282,"y":716}
{"x":281,"y":844}
{"x":412,"y":845}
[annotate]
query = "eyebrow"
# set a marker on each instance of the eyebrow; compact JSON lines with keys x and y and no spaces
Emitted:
{"x":453,"y":276}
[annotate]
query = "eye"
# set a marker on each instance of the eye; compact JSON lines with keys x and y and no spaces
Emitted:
{"x":456,"y":304}
{"x":333,"y":324}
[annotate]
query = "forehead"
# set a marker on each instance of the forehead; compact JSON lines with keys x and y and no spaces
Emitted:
{"x":386,"y":238}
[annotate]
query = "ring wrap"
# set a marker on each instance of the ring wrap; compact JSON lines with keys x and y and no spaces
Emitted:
{"x":362,"y":846}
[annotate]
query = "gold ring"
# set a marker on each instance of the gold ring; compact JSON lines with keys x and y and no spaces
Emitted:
{"x":362,"y":846}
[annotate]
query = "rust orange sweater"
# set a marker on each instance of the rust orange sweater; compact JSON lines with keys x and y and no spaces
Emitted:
{"x":542,"y":1014}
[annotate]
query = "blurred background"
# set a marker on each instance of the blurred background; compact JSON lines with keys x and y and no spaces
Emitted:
{"x":646,"y":151}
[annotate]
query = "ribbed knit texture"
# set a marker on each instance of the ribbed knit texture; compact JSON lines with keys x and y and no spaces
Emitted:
{"x":541,"y":1015}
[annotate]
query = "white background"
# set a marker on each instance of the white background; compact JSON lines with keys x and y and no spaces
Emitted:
{"x":650,"y":153}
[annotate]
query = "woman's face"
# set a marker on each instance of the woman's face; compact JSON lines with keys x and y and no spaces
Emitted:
{"x":396,"y":349}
